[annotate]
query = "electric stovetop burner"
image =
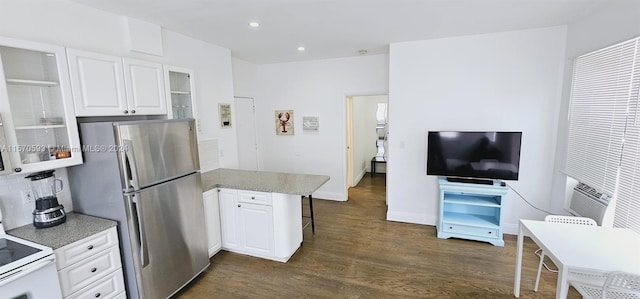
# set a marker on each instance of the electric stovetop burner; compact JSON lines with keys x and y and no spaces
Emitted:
{"x":11,"y":251}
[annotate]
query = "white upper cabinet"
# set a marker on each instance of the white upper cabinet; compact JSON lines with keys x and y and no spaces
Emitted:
{"x":179,"y":90}
{"x":36,"y":107}
{"x":97,"y":83}
{"x":105,"y":85}
{"x":144,"y":84}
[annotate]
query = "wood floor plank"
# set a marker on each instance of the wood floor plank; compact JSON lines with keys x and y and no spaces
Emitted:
{"x":356,"y":253}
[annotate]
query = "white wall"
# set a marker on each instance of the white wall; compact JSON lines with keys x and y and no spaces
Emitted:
{"x":15,"y":212}
{"x":507,"y":81}
{"x":245,"y":78}
{"x":314,"y":88}
{"x":617,"y":21}
{"x":72,"y":25}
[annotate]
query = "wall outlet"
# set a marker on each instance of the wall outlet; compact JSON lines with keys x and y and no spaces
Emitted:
{"x":27,"y":197}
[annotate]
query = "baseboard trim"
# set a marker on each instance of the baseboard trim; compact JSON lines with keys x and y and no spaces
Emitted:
{"x":510,"y":229}
{"x":357,"y":179}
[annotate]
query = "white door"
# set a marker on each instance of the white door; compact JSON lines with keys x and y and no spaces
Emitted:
{"x":97,"y":83}
{"x":246,"y":132}
{"x":256,"y":228}
{"x":144,"y":83}
{"x":212,"y":219}
{"x":228,"y":218}
{"x":350,"y":178}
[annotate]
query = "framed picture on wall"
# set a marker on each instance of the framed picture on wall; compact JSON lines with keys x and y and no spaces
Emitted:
{"x":310,"y":123}
{"x":224,"y":113}
{"x":284,"y":122}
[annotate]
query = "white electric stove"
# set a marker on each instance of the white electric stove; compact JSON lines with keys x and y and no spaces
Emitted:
{"x":27,"y":270}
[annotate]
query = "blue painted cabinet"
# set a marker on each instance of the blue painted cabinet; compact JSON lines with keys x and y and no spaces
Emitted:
{"x":471,"y":211}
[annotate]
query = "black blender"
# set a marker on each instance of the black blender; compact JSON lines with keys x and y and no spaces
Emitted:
{"x":48,"y":211}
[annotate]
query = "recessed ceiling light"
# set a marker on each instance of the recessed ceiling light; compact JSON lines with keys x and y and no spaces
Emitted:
{"x":300,"y":49}
{"x":254,"y":24}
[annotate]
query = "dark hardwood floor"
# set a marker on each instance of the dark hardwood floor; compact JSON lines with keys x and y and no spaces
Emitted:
{"x":356,"y":253}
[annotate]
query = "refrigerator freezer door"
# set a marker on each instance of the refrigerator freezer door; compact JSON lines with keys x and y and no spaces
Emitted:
{"x":168,"y":235}
{"x":157,"y":151}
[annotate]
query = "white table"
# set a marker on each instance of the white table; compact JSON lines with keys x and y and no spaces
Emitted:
{"x":580,"y":248}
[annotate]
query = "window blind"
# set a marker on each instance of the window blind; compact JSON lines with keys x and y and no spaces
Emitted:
{"x":598,"y":114}
{"x":627,"y":212}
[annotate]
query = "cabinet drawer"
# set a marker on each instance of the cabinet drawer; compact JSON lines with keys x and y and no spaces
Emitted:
{"x":80,"y":275}
{"x":108,"y":287}
{"x":86,"y":247}
{"x":261,"y":198}
{"x":470,"y":230}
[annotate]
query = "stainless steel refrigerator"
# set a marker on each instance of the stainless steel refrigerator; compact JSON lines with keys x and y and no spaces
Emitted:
{"x":145,"y":175}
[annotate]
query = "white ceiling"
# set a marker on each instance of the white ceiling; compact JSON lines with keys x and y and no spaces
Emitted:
{"x":339,"y":28}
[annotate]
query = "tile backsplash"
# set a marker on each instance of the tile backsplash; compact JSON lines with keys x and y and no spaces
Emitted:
{"x":16,"y":213}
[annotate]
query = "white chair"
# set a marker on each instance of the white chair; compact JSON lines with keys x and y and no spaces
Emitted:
{"x":618,"y":285}
{"x":559,"y":219}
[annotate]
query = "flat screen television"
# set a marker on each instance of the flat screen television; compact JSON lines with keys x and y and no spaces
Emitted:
{"x":474,"y":155}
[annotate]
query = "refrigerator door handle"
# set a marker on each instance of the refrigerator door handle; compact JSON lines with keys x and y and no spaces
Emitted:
{"x":132,"y":171}
{"x":142,"y":237}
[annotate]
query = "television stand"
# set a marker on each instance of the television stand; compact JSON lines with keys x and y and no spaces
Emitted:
{"x":471,"y":211}
{"x":469,"y":181}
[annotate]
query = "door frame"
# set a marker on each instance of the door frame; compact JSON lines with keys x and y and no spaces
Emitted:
{"x":349,"y":140}
{"x":348,"y":134}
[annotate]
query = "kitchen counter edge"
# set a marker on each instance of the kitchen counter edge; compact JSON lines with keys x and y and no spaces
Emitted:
{"x":77,"y":227}
{"x":264,"y":181}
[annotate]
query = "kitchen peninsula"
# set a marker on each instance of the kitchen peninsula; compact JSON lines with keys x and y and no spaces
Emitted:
{"x":261,"y":212}
{"x":265,"y":181}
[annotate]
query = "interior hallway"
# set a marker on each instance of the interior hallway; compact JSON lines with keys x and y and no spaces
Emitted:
{"x":355,"y":253}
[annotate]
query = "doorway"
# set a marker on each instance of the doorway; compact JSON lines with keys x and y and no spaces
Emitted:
{"x":246,"y":133}
{"x":366,"y":136}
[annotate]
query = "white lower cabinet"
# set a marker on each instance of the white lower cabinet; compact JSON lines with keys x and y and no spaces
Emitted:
{"x":228,"y":219}
{"x":212,"y":219}
{"x":266,"y":225}
{"x":255,"y":223}
{"x":107,"y":287}
{"x":91,"y":267}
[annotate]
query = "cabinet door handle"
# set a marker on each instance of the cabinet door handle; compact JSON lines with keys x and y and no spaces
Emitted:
{"x":133,"y":111}
{"x":238,"y":205}
{"x":253,"y":197}
{"x":97,"y":295}
{"x":89,"y":247}
{"x":450,"y":227}
{"x":489,"y":232}
{"x":94,"y":269}
{"x":126,"y":112}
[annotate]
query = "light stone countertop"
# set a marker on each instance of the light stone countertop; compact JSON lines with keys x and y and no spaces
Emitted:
{"x":276,"y":182}
{"x":77,"y":227}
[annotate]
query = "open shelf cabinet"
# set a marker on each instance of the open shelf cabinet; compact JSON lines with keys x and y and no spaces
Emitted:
{"x":36,"y":107}
{"x":471,"y":211}
{"x":180,"y":92}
